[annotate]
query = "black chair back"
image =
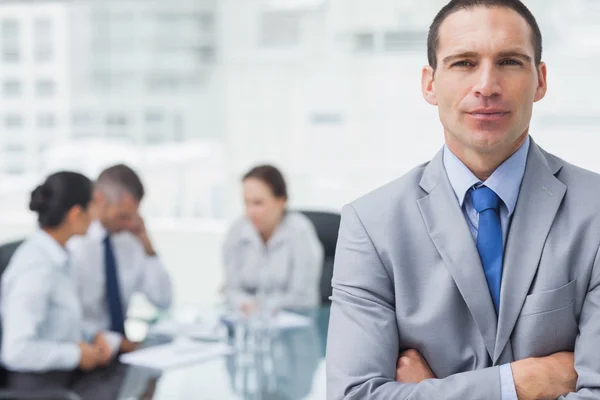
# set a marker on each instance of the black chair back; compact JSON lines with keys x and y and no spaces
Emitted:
{"x":327,"y":225}
{"x":6,"y":252}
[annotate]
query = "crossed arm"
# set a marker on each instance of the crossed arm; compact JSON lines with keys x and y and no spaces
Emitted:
{"x":363,"y":359}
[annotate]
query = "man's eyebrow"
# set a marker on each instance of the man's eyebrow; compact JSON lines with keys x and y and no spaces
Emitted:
{"x":515,"y":54}
{"x":465,"y":54}
{"x":502,"y":54}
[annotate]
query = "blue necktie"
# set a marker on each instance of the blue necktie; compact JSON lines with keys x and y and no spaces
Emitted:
{"x":113,"y":293}
{"x":489,"y":239}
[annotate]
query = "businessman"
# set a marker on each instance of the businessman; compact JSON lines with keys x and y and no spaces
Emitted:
{"x":116,"y":258}
{"x":476,"y":275}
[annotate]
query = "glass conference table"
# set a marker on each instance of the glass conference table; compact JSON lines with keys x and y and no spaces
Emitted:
{"x":290,"y":367}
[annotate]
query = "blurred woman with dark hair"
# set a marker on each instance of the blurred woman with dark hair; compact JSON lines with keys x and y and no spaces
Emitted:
{"x":270,"y":251}
{"x":44,"y":343}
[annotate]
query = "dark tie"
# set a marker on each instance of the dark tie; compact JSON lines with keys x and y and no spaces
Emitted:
{"x":113,"y":293}
{"x":489,"y":239}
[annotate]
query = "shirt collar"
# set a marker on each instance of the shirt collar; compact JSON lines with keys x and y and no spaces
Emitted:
{"x":250,"y":233}
{"x":56,"y":253}
{"x":505,"y":181}
{"x":97,"y":231}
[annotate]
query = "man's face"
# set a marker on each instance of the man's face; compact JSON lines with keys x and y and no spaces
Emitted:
{"x":486,"y":80}
{"x":120,"y":215}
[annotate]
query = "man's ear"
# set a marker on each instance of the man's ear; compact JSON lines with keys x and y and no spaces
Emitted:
{"x":428,"y":85}
{"x":542,"y":83}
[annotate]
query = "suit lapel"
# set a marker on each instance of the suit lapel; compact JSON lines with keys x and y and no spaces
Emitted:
{"x":539,"y":200}
{"x":450,"y":234}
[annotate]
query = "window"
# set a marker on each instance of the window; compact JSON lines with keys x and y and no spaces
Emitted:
{"x":11,"y":88}
{"x":116,"y":125}
{"x":327,"y":118}
{"x":14,"y":148}
{"x":10,"y":55}
{"x":206,"y":22}
{"x":154,"y":117}
{"x":15,"y":170}
{"x":155,"y":137}
{"x":44,"y":49}
{"x":82,"y":119}
{"x":44,"y":54}
{"x":9,"y":28}
{"x":43,"y":28}
{"x":169,"y":83}
{"x":13,"y":121}
{"x":46,"y":121}
{"x":364,"y":42}
{"x":404,"y":40}
{"x":115,"y":120}
{"x":9,"y":40}
{"x":45,"y":88}
{"x":206,"y":54}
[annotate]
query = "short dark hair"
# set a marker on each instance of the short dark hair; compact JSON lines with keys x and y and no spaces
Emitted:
{"x":60,"y":192}
{"x":119,"y":178}
{"x":433,"y":38}
{"x":272,"y":177}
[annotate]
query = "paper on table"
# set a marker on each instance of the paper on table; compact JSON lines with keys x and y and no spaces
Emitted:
{"x":175,"y":354}
{"x":283,"y":320}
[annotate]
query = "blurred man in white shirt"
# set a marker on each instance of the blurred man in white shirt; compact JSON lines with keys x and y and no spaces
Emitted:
{"x":116,"y":258}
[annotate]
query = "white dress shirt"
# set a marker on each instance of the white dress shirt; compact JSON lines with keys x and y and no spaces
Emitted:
{"x":287,"y":269}
{"x":41,"y":314}
{"x":137,"y":273}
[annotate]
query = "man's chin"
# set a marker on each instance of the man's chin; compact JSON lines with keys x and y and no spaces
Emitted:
{"x":488,"y":141}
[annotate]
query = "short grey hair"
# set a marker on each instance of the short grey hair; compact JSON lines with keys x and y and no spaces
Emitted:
{"x":118,"y":180}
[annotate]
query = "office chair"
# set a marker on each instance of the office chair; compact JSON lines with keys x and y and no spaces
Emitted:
{"x":6,"y":252}
{"x":327,"y":225}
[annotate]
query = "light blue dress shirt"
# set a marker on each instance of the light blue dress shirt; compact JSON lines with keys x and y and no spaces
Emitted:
{"x":41,"y":313}
{"x":288,"y":267}
{"x":506,"y":183}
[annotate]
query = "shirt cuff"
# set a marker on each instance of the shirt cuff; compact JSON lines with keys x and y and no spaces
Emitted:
{"x":508,"y":390}
{"x":114,"y":341}
{"x":71,"y":358}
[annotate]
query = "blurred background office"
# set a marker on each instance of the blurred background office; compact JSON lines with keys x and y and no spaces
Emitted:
{"x":193,"y":93}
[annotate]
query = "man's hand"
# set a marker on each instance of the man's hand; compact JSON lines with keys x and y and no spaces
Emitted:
{"x":90,"y":356}
{"x":127,"y":346}
{"x":103,"y":349}
{"x":412,"y":368}
{"x":249,"y":307}
{"x":545,"y":378}
{"x":138,"y":228}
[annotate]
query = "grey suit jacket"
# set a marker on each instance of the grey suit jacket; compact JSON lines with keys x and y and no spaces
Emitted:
{"x":407,"y":275}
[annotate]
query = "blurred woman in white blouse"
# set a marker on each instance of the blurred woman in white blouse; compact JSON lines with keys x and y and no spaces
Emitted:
{"x":271,"y":253}
{"x":44,"y":343}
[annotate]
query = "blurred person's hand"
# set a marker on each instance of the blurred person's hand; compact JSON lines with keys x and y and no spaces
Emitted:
{"x":249,"y":308}
{"x":138,"y":228}
{"x":127,"y":346}
{"x":103,"y":349}
{"x":90,"y":356}
{"x":412,"y":368}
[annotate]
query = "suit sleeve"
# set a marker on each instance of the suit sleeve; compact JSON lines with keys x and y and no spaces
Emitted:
{"x":363,"y":341}
{"x":587,"y":345}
